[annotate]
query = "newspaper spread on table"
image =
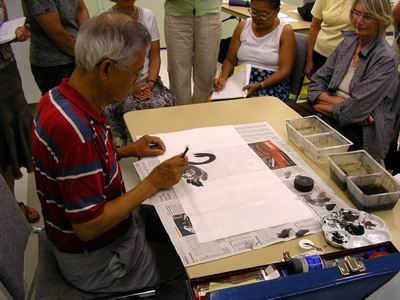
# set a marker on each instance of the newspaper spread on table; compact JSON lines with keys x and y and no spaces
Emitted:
{"x":285,"y":163}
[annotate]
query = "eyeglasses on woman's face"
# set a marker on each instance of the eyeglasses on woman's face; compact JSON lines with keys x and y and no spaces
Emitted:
{"x":357,"y":15}
{"x":260,"y":14}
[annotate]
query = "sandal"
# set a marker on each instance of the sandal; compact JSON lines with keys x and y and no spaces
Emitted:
{"x":31,"y":214}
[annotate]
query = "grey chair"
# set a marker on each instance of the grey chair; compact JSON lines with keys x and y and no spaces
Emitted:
{"x":14,"y":236}
{"x":297,"y":76}
{"x":48,"y":282}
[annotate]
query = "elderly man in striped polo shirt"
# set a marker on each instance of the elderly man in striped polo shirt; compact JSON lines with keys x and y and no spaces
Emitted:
{"x":96,"y":227}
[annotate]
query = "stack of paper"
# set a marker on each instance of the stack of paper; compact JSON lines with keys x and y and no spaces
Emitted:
{"x":233,"y":87}
{"x":7,"y":29}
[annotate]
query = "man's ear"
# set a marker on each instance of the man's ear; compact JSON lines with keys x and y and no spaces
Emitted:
{"x":104,"y":69}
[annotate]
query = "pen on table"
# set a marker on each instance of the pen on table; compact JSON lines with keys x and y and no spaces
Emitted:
{"x":184,"y":152}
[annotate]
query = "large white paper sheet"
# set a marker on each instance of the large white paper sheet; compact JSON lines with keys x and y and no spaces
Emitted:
{"x":321,"y":201}
{"x":235,"y":191}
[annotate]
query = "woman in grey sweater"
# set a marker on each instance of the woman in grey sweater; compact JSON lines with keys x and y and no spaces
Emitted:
{"x":355,"y":91}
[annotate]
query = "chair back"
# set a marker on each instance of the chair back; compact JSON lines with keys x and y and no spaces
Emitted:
{"x":297,"y":75}
{"x":15,"y":232}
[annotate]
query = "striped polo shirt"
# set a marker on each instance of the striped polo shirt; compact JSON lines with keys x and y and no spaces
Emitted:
{"x":76,"y":167}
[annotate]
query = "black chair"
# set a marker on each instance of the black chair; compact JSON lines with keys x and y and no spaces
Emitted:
{"x":297,"y":75}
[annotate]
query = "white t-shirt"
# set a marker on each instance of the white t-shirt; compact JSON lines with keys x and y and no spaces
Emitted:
{"x":260,"y":51}
{"x":148,"y":19}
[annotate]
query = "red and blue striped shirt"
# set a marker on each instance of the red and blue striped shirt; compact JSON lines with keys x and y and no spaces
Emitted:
{"x":76,"y":167}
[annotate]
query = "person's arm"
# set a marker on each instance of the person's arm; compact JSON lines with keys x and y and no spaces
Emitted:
{"x":83,"y":13}
{"x":145,"y":146}
{"x":312,"y":37}
{"x":143,"y":91}
{"x":369,"y":93}
{"x":287,"y":54}
{"x":231,"y":58}
{"x":155,"y":61}
{"x":321,"y":79}
{"x":162,"y":177}
{"x":51,"y":24}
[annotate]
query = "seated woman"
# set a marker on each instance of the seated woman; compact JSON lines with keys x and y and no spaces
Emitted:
{"x":355,"y":91}
{"x":151,"y":93}
{"x":266,"y":43}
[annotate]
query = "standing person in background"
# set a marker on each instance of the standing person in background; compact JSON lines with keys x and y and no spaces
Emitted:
{"x":192,"y":34}
{"x":330,"y":18}
{"x":396,"y":25}
{"x":150,"y":92}
{"x":54,"y":25}
{"x":15,"y":118}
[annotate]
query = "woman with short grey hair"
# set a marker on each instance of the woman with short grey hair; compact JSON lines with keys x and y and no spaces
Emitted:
{"x":100,"y":231}
{"x":355,"y":91}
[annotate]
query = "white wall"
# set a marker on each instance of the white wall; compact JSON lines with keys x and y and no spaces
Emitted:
{"x":21,"y":51}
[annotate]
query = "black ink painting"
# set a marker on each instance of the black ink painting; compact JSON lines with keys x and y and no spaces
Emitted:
{"x":195,"y":175}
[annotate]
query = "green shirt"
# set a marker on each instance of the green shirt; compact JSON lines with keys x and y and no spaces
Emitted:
{"x":182,"y":8}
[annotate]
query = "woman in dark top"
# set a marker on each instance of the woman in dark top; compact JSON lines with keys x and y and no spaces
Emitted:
{"x":15,"y":118}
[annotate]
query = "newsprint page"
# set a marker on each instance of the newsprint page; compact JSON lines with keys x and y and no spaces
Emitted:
{"x":284,"y":162}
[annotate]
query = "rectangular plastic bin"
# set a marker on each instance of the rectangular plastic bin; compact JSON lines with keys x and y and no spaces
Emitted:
{"x":373,"y":192}
{"x":297,"y":129}
{"x":318,"y":146}
{"x":354,"y":163}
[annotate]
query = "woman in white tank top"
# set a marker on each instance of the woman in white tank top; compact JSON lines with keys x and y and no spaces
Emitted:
{"x":268,"y":45}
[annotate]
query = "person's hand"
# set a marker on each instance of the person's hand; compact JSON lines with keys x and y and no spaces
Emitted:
{"x":251,"y":88}
{"x":168,"y":172}
{"x":368,"y":121}
{"x":22,"y":33}
{"x":219,"y":83}
{"x":143,"y":91}
{"x":309,"y":69}
{"x":144,"y":147}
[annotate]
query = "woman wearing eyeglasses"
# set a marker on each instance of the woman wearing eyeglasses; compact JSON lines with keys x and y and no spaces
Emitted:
{"x":330,"y":18}
{"x":150,"y":91}
{"x":355,"y":91}
{"x":266,"y":43}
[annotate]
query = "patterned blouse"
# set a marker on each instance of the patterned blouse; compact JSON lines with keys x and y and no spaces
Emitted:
{"x":6,"y":54}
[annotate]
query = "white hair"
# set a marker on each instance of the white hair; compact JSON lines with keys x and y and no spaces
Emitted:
{"x":110,"y":35}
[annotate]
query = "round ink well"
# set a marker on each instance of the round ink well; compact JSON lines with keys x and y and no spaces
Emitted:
{"x":303,"y":183}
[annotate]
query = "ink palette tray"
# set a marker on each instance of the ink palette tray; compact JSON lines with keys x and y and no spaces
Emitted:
{"x":353,"y":163}
{"x":350,"y":228}
{"x":316,"y":138}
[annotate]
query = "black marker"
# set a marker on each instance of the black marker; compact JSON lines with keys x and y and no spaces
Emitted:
{"x":184,"y":152}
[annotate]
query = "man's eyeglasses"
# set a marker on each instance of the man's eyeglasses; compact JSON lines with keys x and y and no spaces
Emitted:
{"x":261,"y":15}
{"x":137,"y":77}
{"x":357,"y":15}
